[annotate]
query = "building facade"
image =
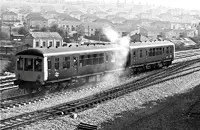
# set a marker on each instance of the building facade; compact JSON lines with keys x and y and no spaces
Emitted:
{"x":43,"y":39}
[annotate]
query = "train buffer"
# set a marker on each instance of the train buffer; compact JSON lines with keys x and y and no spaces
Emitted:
{"x":85,"y":126}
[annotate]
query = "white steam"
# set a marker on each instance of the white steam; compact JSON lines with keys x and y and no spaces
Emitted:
{"x":120,"y":43}
{"x":120,"y":55}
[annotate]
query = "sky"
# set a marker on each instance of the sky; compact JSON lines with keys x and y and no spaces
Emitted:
{"x":185,"y":4}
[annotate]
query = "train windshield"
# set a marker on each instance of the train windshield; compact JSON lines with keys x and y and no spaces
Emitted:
{"x":38,"y":65}
{"x":28,"y":65}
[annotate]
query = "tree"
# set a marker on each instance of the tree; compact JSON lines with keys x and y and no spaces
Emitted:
{"x":10,"y":67}
{"x":3,"y":36}
{"x":44,"y":29}
{"x":55,"y":28}
{"x":23,"y":31}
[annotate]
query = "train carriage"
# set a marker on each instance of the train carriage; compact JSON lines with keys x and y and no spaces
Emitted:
{"x":41,"y":67}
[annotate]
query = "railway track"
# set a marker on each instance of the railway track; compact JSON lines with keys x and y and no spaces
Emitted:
{"x":25,"y":99}
{"x":93,"y":100}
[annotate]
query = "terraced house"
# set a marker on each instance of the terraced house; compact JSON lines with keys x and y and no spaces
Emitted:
{"x":43,"y":39}
{"x":9,"y":17}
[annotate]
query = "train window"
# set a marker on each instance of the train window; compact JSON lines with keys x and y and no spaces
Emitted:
{"x":157,"y":51}
{"x":38,"y":65}
{"x":140,"y":53}
{"x":66,"y":62}
{"x":167,"y":51}
{"x":75,"y":61}
{"x":163,"y":50}
{"x":112,"y":54}
{"x":81,"y":60}
{"x":153,"y":52}
{"x":101,"y":58}
{"x":89,"y":59}
{"x":20,"y":64}
{"x":28,"y":64}
{"x":95,"y":59}
{"x":171,"y":48}
{"x":56,"y":63}
{"x":150,"y":52}
{"x":134,"y":54}
{"x":107,"y":59}
{"x":49,"y":63}
{"x":160,"y":51}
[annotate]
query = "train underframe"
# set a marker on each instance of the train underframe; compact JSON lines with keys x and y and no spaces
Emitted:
{"x":31,"y":87}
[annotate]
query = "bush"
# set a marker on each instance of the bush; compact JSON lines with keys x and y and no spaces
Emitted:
{"x":10,"y":67}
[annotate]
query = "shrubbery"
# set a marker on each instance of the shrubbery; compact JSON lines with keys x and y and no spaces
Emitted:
{"x":10,"y":67}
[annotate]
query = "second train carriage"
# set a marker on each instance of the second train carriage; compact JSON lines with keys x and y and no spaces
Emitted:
{"x":39,"y":67}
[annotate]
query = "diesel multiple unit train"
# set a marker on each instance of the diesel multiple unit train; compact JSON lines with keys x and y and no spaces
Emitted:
{"x":39,"y":68}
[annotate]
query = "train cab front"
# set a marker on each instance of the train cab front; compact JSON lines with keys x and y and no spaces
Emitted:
{"x":29,"y":72}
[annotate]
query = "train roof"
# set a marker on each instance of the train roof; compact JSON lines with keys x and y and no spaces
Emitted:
{"x":150,"y":44}
{"x":43,"y":52}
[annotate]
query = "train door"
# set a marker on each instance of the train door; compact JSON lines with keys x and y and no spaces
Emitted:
{"x":75,"y":65}
{"x":134,"y":57}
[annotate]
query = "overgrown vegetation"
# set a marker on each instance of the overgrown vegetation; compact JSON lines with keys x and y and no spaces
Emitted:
{"x":10,"y":67}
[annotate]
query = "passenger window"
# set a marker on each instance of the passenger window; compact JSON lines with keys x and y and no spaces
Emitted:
{"x":140,"y":53}
{"x":81,"y":60}
{"x":107,"y":58}
{"x":95,"y":59}
{"x":167,"y":51}
{"x":38,"y":65}
{"x":101,"y":58}
{"x":20,"y":64}
{"x":28,"y":65}
{"x":112,"y":54}
{"x":150,"y":52}
{"x":66,"y":62}
{"x":171,"y":48}
{"x":49,"y":64}
{"x":89,"y":59}
{"x":134,"y":54}
{"x":56,"y":63}
{"x":153,"y":52}
{"x":75,"y":61}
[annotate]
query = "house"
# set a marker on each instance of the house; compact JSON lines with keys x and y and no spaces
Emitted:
{"x":50,"y":14}
{"x":104,"y":21}
{"x":161,"y":25}
{"x":110,"y":17}
{"x":9,"y":18}
{"x":76,"y":14}
{"x":178,"y":33}
{"x":125,"y":15}
{"x":101,"y":14}
{"x":43,"y":39}
{"x":88,"y":17}
{"x":118,"y":20}
{"x":37,"y":22}
{"x":90,"y":28}
{"x":68,"y":24}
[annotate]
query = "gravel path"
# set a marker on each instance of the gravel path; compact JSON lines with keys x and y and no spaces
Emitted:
{"x":121,"y":112}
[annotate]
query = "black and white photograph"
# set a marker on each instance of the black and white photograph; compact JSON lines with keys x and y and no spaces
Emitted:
{"x":100,"y":65}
